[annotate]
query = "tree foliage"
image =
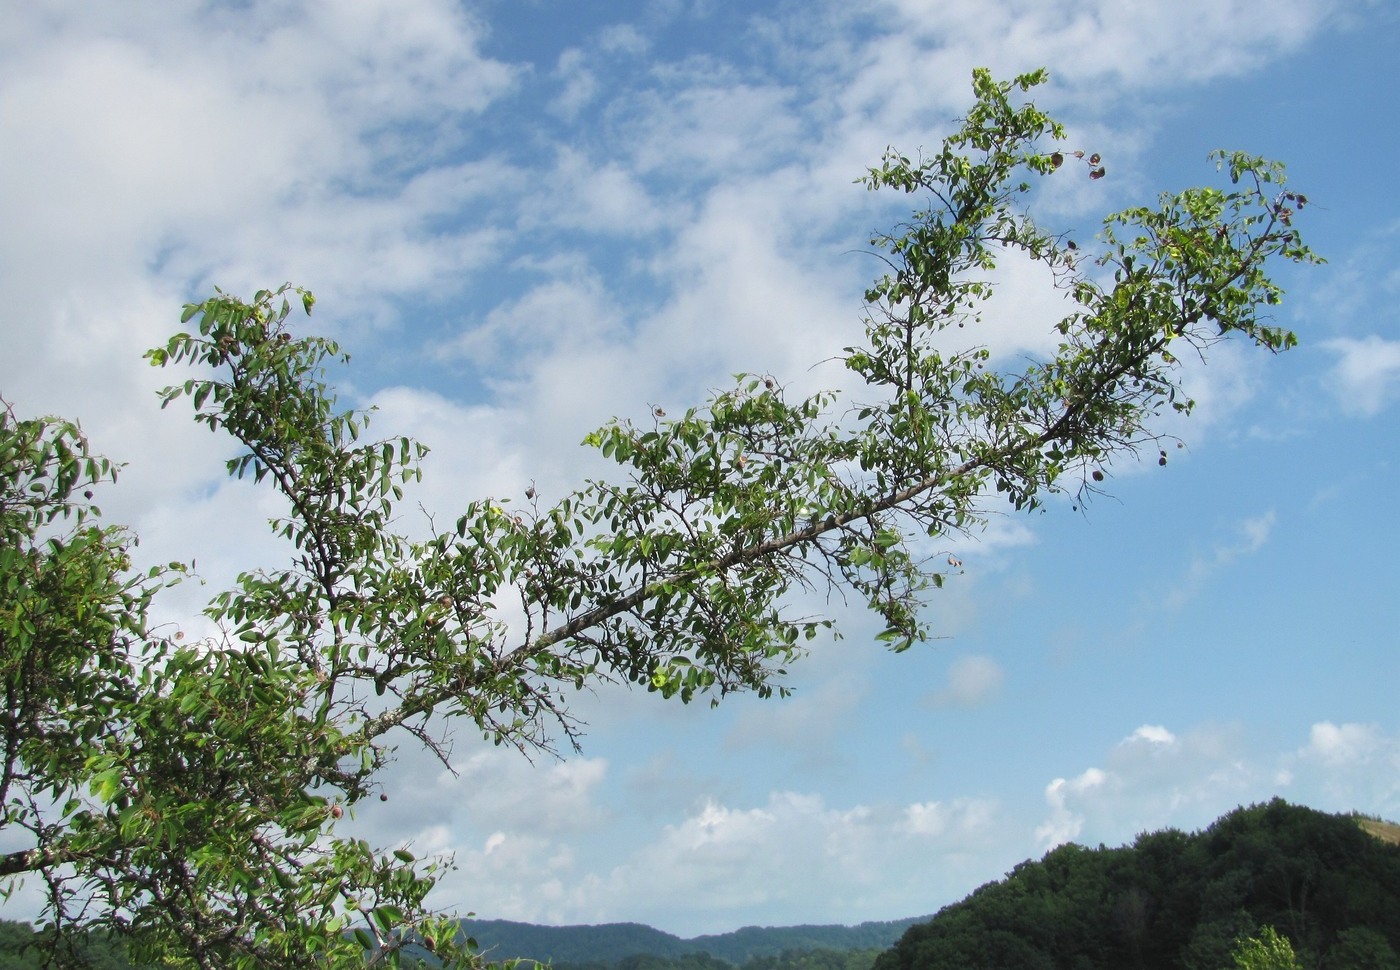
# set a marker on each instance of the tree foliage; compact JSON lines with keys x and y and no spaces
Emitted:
{"x":1266,"y":950}
{"x":21,"y":948}
{"x":187,"y":795}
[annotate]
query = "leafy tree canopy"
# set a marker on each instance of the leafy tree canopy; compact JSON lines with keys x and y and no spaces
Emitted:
{"x":187,"y":795}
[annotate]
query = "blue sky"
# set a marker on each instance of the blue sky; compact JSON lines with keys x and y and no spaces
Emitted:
{"x":523,"y":218}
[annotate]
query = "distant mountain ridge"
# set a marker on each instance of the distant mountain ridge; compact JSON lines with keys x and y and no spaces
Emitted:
{"x":610,"y":943}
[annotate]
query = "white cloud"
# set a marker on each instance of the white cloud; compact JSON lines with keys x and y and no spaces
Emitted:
{"x":160,"y":127}
{"x":1367,"y":373}
{"x":1138,"y":42}
{"x":147,"y":148}
{"x":1151,"y":734}
{"x":836,"y":864}
{"x":489,"y":796}
{"x":1351,"y":766}
{"x":1252,"y":534}
{"x":702,"y":120}
{"x":1342,"y":745}
{"x":1064,"y":824}
{"x":1155,"y":778}
{"x":594,"y":197}
{"x":972,"y":682}
{"x":560,"y":796}
{"x":580,"y":84}
{"x":563,"y":843}
{"x":623,"y":39}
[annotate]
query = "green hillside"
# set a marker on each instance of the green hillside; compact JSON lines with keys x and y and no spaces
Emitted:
{"x":1385,"y":831}
{"x":1173,"y":901}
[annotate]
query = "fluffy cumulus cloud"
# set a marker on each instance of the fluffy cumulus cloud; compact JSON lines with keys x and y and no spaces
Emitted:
{"x":1344,"y":744}
{"x":1154,"y":778}
{"x":491,"y":810}
{"x":143,"y":135}
{"x":1064,"y":824}
{"x":1151,"y":778}
{"x":1350,"y":764}
{"x":1151,"y":734}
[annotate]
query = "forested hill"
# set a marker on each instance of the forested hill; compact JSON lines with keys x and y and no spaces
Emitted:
{"x":1176,"y":901}
{"x":611,"y":943}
